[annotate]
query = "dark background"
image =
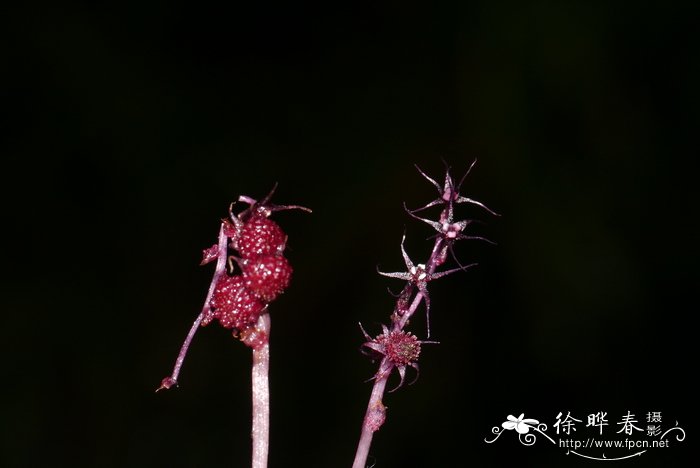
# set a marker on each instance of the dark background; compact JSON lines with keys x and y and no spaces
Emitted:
{"x":129,"y":126}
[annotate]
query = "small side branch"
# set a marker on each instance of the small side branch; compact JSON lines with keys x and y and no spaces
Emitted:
{"x":171,"y":380}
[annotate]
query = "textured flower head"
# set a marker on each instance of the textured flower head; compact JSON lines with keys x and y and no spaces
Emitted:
{"x":239,"y":296}
{"x":401,"y":349}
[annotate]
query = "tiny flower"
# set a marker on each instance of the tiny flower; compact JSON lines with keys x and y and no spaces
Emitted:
{"x":267,"y":276}
{"x":256,"y":234}
{"x":400,"y":348}
{"x":210,"y":254}
{"x":450,"y":231}
{"x":522,"y":426}
{"x":233,"y":304}
{"x":447,"y":228}
{"x":419,"y":276}
{"x":260,"y":236}
{"x":238,"y":297}
{"x":449,"y":193}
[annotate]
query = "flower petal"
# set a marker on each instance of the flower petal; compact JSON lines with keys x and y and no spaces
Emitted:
{"x":522,"y":428}
{"x":512,"y":418}
{"x":509,"y":425}
{"x":531,"y":422}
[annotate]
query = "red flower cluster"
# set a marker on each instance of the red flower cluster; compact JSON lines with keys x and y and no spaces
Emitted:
{"x":251,"y":272}
{"x":399,"y":348}
{"x":257,"y":246}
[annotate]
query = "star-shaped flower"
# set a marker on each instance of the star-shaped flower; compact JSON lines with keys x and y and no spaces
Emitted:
{"x":419,"y":276}
{"x":447,"y":227}
{"x":449,"y":193}
{"x":450,"y":230}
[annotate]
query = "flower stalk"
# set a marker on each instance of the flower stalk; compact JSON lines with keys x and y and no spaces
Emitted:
{"x":395,"y":347}
{"x":261,"y":396}
{"x":251,"y":272}
{"x":376,"y":411}
{"x":220,"y":270}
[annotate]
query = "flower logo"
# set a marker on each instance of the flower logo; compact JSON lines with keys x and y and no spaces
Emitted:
{"x":522,"y":426}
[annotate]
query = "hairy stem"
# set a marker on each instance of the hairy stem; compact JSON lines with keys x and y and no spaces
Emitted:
{"x":374,"y":417}
{"x":261,"y":396}
{"x":376,"y":411}
{"x":183,"y":352}
{"x":220,"y":269}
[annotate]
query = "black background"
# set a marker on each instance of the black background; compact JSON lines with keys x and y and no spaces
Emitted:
{"x":129,"y":126}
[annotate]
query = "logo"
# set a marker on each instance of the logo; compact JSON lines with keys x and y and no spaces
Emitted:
{"x":601,"y":437}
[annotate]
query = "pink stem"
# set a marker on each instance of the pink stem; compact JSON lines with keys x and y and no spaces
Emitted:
{"x":261,"y":396}
{"x":220,"y":269}
{"x":369,"y":425}
{"x":374,"y":416}
{"x":172,"y":380}
{"x":376,"y":412}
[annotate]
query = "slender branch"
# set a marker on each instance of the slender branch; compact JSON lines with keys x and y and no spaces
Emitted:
{"x":261,"y":395}
{"x":171,"y":380}
{"x":374,"y":417}
{"x":376,"y":411}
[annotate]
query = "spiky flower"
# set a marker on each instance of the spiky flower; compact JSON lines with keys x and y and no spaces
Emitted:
{"x":418,"y":276}
{"x":449,"y":192}
{"x":401,"y":349}
{"x":396,"y":347}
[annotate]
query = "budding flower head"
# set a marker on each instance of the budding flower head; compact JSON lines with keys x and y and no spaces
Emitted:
{"x":267,"y":276}
{"x":401,"y":349}
{"x":233,"y":304}
{"x":239,"y":298}
{"x":257,"y":244}
{"x":260,"y":236}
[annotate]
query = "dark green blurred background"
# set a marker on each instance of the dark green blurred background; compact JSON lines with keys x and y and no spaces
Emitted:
{"x":129,"y":126}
